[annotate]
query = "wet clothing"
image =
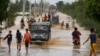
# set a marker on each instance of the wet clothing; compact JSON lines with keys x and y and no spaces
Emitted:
{"x":22,"y":22}
{"x":76,"y":37}
{"x":9,"y":39}
{"x":9,"y":42}
{"x":27,"y":37}
{"x":93,"y":38}
{"x":76,"y":34}
{"x":67,"y":25}
{"x":18,"y":37}
{"x":79,"y":33}
{"x":26,"y":44}
{"x":49,"y":17}
{"x":62,"y":24}
{"x":19,"y":41}
{"x":93,"y":46}
{"x":93,"y":41}
{"x":45,"y":17}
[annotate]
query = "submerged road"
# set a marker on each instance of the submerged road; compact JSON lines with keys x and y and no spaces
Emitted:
{"x":59,"y":45}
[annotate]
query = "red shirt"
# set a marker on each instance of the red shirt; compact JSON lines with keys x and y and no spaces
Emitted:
{"x":27,"y":37}
{"x":79,"y":33}
{"x":45,"y":17}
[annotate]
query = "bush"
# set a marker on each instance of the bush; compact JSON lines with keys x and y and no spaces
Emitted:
{"x":88,"y":23}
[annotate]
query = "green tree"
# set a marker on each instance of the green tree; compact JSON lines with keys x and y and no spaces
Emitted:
{"x":60,"y":5}
{"x":3,"y":9}
{"x":93,"y":9}
{"x":86,"y":12}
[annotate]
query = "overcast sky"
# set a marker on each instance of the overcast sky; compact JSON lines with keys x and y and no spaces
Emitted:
{"x":54,"y":1}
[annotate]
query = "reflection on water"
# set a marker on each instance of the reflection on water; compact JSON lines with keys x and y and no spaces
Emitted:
{"x":15,"y":54}
{"x":76,"y":47}
{"x":9,"y":54}
{"x":18,"y":54}
{"x":26,"y":54}
{"x":76,"y":51}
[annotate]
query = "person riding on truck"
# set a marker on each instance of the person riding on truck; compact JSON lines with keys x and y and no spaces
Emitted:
{"x":45,"y":17}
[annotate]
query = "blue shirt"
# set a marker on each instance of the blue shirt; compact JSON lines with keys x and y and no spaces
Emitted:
{"x":93,"y":38}
{"x":9,"y":37}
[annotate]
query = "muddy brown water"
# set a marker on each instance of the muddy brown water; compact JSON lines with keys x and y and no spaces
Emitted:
{"x":98,"y":44}
{"x":52,"y":42}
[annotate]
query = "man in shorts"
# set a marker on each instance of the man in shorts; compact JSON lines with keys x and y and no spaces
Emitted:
{"x":19,"y":39}
{"x":27,"y":40}
{"x":9,"y":39}
{"x":92,"y":37}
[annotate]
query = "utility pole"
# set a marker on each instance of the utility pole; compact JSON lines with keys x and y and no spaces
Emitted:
{"x":34,"y":7}
{"x":41,"y":6}
{"x":24,"y":2}
{"x":30,"y":9}
{"x":8,"y":9}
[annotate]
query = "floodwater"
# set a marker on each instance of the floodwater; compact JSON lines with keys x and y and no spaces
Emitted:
{"x":59,"y":45}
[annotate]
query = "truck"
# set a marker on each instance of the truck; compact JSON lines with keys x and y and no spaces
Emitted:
{"x":40,"y":32}
{"x":55,"y":19}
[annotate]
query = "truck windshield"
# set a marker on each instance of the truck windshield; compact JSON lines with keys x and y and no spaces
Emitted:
{"x":41,"y":28}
